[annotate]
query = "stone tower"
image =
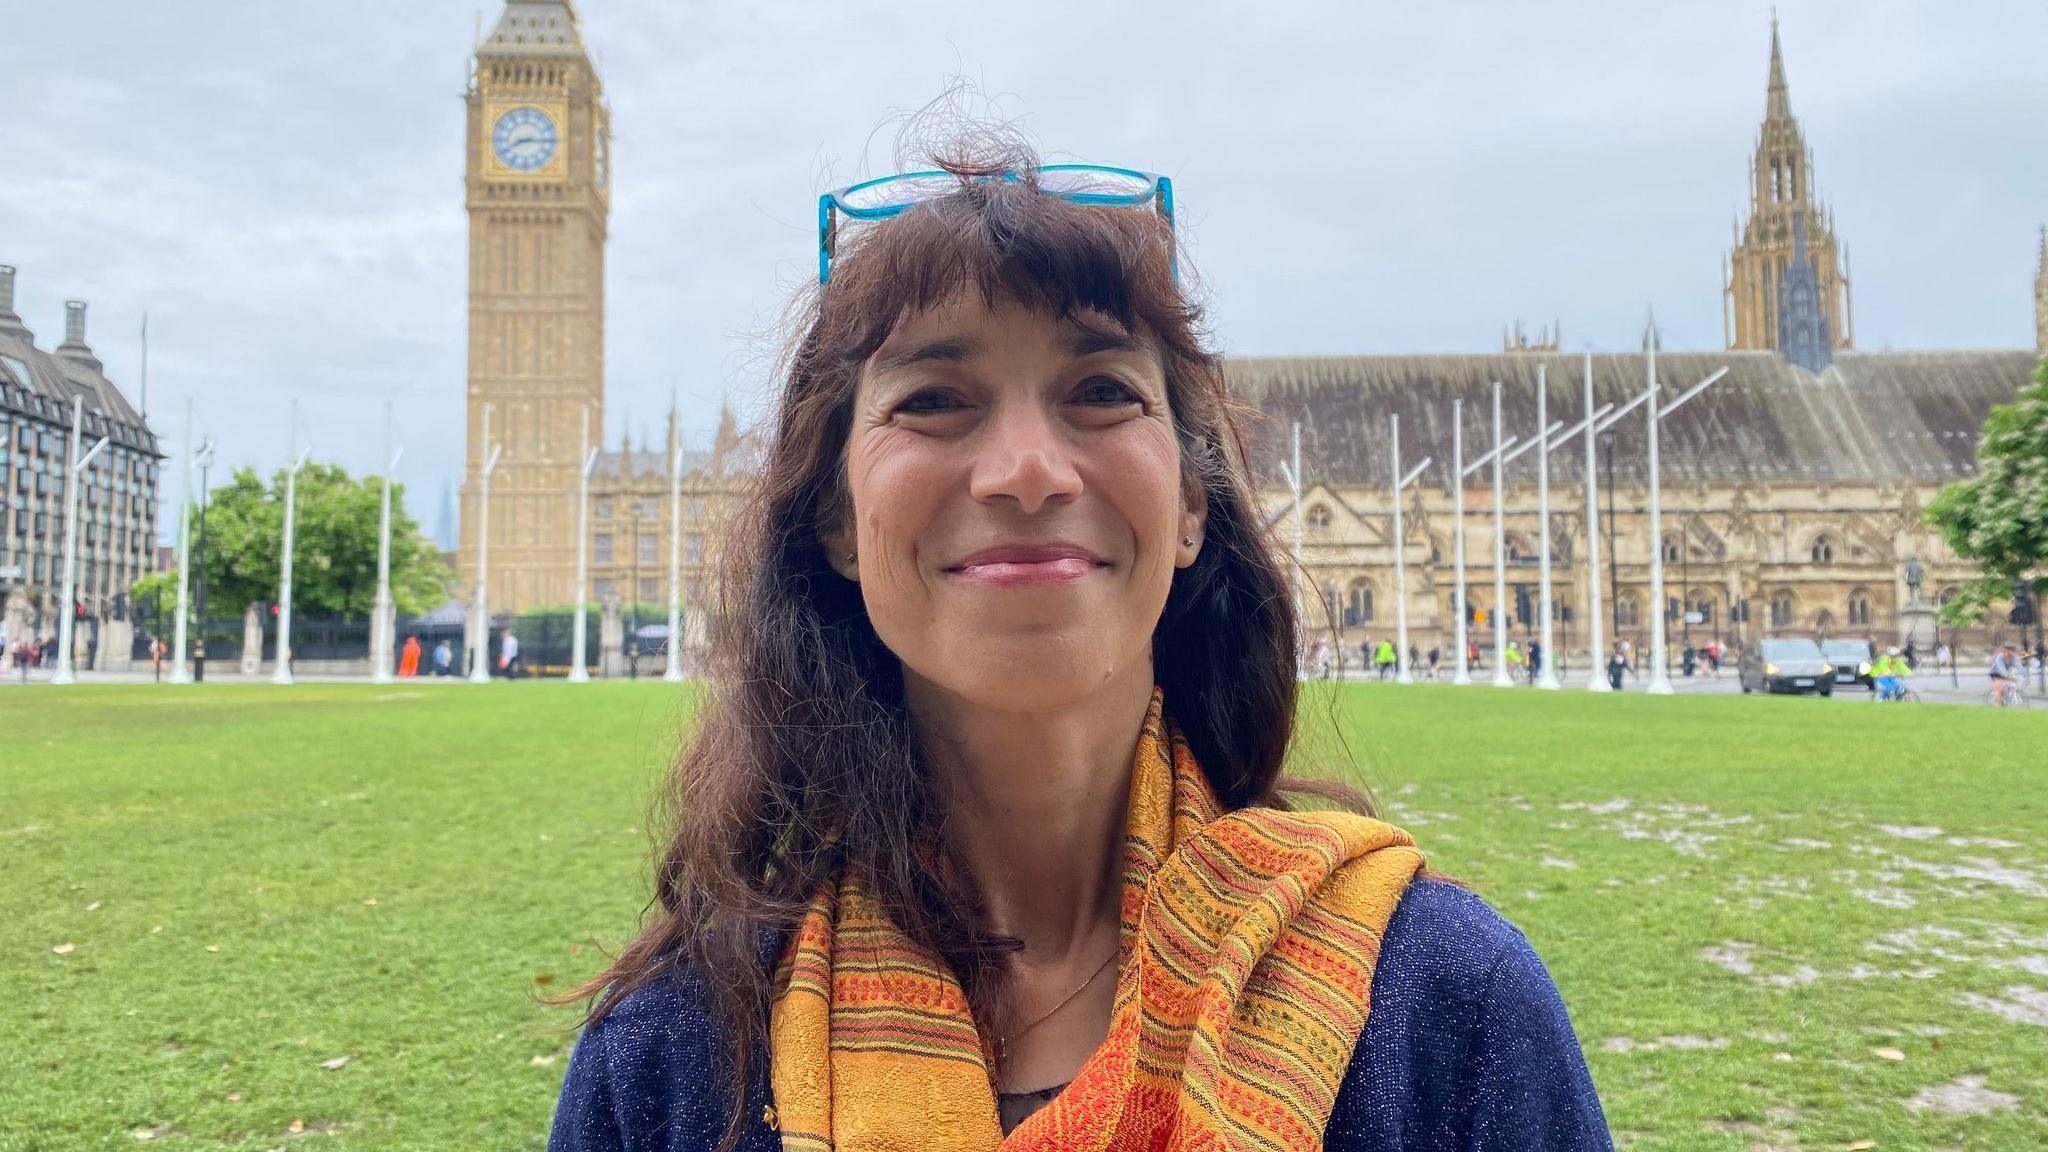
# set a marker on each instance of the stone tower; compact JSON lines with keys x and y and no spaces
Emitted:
{"x":538,"y":192}
{"x":2041,"y":295}
{"x":1782,"y":204}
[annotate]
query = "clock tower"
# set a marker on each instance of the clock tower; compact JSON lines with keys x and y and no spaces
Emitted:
{"x":538,"y":194}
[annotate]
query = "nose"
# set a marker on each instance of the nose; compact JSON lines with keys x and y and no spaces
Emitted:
{"x":1023,"y":456}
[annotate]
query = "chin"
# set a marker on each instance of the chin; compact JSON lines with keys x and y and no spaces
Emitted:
{"x":1027,"y":674}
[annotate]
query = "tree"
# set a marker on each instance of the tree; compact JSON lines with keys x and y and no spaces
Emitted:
{"x":334,"y":571}
{"x":1999,"y":517}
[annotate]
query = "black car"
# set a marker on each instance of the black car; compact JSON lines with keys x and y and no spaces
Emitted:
{"x":1852,"y":660}
{"x":1784,"y":665}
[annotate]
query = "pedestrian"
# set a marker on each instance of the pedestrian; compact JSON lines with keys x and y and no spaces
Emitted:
{"x":156,"y":656}
{"x":508,"y":656}
{"x":1688,"y":660}
{"x":1514,"y":658}
{"x":1471,"y":655}
{"x":1628,"y":656}
{"x":1943,"y":658}
{"x":1383,"y":659}
{"x":409,"y":657}
{"x":1435,"y":655}
{"x":1535,"y":660}
{"x":1414,"y":659}
{"x":1617,"y":664}
{"x":443,"y":657}
{"x":1911,"y":655}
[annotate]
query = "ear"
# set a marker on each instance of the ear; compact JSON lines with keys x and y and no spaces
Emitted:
{"x":840,"y":552}
{"x":1193,"y":523}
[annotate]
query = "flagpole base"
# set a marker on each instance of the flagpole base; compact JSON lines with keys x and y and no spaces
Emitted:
{"x":1548,"y":683}
{"x":1659,"y":686}
{"x":579,"y":675}
{"x":1599,"y":684}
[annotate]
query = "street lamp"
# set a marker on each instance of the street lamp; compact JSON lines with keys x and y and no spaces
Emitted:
{"x":74,"y":476}
{"x":579,"y":672}
{"x":384,"y":625}
{"x":1406,"y":675}
{"x":480,"y":619}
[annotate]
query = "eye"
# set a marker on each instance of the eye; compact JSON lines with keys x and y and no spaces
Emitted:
{"x":1106,"y":392}
{"x":927,"y":402}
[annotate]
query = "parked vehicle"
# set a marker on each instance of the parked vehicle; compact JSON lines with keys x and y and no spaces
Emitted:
{"x":1786,"y":665}
{"x":1852,"y":660}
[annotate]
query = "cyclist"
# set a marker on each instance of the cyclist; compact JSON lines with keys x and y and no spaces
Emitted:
{"x":2003,"y":672}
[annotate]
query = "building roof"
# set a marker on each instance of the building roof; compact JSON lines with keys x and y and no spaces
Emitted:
{"x":41,"y":384}
{"x":1868,"y":418}
{"x":535,"y":28}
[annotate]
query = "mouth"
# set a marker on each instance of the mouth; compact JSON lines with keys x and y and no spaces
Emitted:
{"x":1013,"y":565}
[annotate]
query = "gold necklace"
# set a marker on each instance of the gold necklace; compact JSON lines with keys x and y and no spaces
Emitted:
{"x":1003,"y":1042}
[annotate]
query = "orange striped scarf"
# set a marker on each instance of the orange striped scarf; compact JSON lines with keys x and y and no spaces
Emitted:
{"x":1249,"y":941}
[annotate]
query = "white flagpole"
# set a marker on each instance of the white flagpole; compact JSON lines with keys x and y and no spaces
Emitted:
{"x":1547,"y":677}
{"x":383,"y":625}
{"x":674,"y":672}
{"x":1458,"y":608}
{"x":1501,"y":679}
{"x":1660,"y":679}
{"x":1596,"y":641}
{"x":480,"y":616}
{"x":579,"y":629}
{"x":1405,"y":675}
{"x":74,"y":478}
{"x":282,"y":673}
{"x":179,"y":673}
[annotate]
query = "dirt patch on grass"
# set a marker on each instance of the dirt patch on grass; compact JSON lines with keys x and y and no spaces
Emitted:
{"x":1967,"y":1096}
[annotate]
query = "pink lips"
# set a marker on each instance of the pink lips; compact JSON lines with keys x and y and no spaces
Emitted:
{"x":1012,"y":565}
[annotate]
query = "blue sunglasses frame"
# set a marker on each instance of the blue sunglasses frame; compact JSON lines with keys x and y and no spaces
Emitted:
{"x":1158,"y":191}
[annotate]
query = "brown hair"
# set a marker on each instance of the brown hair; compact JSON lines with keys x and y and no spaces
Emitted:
{"x":804,"y":761}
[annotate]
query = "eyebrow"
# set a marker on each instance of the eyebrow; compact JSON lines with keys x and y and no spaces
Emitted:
{"x":1082,"y":340}
{"x":953,"y":349}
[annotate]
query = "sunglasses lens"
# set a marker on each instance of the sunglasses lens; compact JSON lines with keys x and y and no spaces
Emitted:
{"x":899,"y":192}
{"x":1095,"y":182}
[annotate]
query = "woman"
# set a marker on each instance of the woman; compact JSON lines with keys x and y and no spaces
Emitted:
{"x":980,"y":839}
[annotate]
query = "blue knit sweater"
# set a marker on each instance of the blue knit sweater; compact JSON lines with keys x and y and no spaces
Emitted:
{"x":1467,"y":1049}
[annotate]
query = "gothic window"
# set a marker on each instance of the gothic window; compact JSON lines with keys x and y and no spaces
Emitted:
{"x":606,"y":589}
{"x":649,"y":547}
{"x":1436,"y":550}
{"x":647,"y":588}
{"x":601,"y":548}
{"x":643,"y":507}
{"x":1824,"y":623}
{"x":1781,"y":609}
{"x":1626,"y":613}
{"x":1319,"y":518}
{"x":1671,"y":551}
{"x":1358,"y":604}
{"x":604,"y":507}
{"x":1823,"y":549}
{"x":1518,"y":550}
{"x":693,"y":547}
{"x":1942,"y":597}
{"x":1859,"y":607}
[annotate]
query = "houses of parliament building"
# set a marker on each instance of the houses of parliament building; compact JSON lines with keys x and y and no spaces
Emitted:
{"x":1792,"y":490}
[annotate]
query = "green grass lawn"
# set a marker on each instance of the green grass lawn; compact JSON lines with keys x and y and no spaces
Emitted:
{"x":1777,"y":922}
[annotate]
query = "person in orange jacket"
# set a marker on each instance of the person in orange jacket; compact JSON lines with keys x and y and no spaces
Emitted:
{"x":409,"y":657}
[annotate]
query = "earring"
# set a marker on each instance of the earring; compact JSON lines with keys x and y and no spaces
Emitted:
{"x":849,"y":557}
{"x":1187,"y":541}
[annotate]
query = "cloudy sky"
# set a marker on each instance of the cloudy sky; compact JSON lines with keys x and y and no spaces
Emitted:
{"x":278,"y":182}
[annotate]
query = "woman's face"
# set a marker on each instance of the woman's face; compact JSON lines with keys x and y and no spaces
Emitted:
{"x":1017,"y":503}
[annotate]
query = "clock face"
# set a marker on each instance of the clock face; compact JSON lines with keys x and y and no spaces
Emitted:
{"x":524,"y":139}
